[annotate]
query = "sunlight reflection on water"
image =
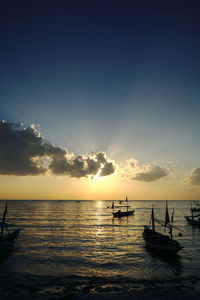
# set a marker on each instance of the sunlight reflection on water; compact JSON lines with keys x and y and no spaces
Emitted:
{"x":82,"y":238}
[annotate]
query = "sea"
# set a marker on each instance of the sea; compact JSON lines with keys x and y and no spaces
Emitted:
{"x":77,"y":250}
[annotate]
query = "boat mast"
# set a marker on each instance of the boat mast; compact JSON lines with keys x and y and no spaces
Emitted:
{"x":167,"y":220}
{"x":113,"y":206}
{"x":192,"y":215}
{"x":152,"y":219}
{"x":3,"y":219}
{"x":172,"y":217}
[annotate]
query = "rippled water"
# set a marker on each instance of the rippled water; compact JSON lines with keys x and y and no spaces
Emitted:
{"x":81,"y":238}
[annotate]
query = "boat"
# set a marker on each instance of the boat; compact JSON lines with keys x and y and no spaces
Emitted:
{"x":123,"y":210}
{"x":195,"y":206}
{"x":194,"y":218}
{"x":7,"y":238}
{"x":157,"y":241}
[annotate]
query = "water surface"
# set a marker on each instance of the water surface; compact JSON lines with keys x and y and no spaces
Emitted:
{"x":80,"y":239}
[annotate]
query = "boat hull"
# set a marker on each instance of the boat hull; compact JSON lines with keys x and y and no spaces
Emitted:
{"x":119,"y":214}
{"x":8,"y":241}
{"x":192,"y":222}
{"x":159,"y":242}
{"x":195,"y":209}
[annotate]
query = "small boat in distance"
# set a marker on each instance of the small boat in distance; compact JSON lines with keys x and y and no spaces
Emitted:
{"x":195,"y":206}
{"x":194,"y":219}
{"x":121,"y":213}
{"x":7,"y":241}
{"x":160,"y":242}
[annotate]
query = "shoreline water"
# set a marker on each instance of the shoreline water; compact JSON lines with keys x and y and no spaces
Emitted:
{"x":76,"y":287}
{"x":76,"y":250}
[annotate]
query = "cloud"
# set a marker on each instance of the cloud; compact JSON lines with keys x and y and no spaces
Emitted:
{"x":82,"y":165}
{"x":24,"y":152}
{"x":107,"y":169}
{"x":146,"y":173}
{"x":151,"y":173}
{"x":20,"y":150}
{"x":193,"y":178}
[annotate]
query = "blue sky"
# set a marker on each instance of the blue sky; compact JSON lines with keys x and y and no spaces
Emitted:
{"x":122,"y":77}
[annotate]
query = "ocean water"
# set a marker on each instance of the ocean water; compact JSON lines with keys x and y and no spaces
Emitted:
{"x":69,"y":246}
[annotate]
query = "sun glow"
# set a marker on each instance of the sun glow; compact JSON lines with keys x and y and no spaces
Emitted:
{"x":97,"y":176}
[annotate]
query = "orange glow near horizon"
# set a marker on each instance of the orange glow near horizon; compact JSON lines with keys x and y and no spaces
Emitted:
{"x":99,"y":188}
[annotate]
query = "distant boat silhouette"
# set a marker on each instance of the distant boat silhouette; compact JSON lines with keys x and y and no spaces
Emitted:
{"x":122,"y":213}
{"x":194,"y":219}
{"x":196,"y":206}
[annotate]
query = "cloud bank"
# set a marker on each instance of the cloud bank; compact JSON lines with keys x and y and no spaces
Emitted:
{"x":24,"y":152}
{"x":193,"y":178}
{"x":151,"y":173}
{"x":146,"y":173}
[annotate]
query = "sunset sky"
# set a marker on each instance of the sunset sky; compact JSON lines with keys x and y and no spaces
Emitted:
{"x":100,"y":99}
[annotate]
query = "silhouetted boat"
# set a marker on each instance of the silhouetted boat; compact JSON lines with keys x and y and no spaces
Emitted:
{"x":195,"y":206}
{"x":158,"y":241}
{"x":194,"y":219}
{"x":7,"y":240}
{"x":122,"y":213}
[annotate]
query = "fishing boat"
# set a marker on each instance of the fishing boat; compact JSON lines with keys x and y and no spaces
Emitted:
{"x":194,"y":218}
{"x":160,"y":242}
{"x":195,"y":206}
{"x":122,"y":210}
{"x":7,"y":238}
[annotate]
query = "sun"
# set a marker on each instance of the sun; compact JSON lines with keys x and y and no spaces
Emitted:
{"x":97,"y":176}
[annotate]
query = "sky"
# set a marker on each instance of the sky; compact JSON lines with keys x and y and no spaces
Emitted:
{"x":99,"y":100}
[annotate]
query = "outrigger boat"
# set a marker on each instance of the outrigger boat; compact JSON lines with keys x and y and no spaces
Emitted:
{"x":196,"y":206}
{"x":194,"y":219}
{"x":8,"y":240}
{"x":121,"y":213}
{"x":160,"y":242}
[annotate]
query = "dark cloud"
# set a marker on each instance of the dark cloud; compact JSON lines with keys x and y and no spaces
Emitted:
{"x":81,"y":166}
{"x":23,"y":150}
{"x":20,"y":150}
{"x":151,"y":173}
{"x":51,"y":149}
{"x":193,"y":177}
{"x":107,"y":169}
